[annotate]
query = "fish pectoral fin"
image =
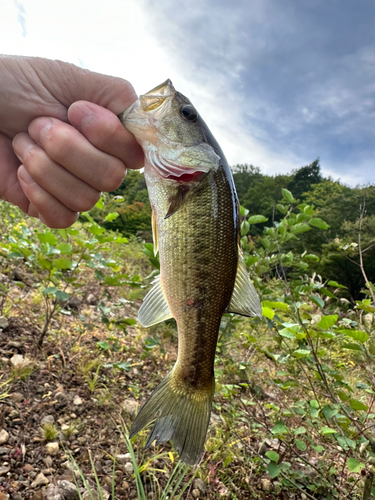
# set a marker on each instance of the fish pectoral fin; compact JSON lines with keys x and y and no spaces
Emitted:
{"x":154,"y":308}
{"x":154,"y":232}
{"x":245,"y":300}
{"x":177,"y":200}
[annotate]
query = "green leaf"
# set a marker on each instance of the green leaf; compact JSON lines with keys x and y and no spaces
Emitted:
{"x":335,"y":284}
{"x":280,"y":429}
{"x":301,"y":353}
{"x":301,"y":445}
{"x":314,"y":404}
{"x":281,"y":306}
{"x":358,"y":335}
{"x":317,"y":300}
{"x":96,"y":229}
{"x":267,"y":312}
{"x":243,"y":211}
{"x":272,"y":455}
{"x":317,"y":222}
{"x":345,"y":443}
{"x":257,"y":219}
{"x":300,"y":228}
{"x":354,"y":465}
{"x":104,"y":345}
{"x":121,"y":240}
{"x":65,"y":248}
{"x":63,"y":296}
{"x":285,"y":332}
{"x":327,"y":321}
{"x":100,"y":203}
{"x":47,"y":237}
{"x":245,"y":226}
{"x":282,"y":208}
{"x":328,"y":430}
{"x":300,"y":430}
{"x":353,"y":347}
{"x":287,"y":195}
{"x":112,"y":216}
{"x":273,"y":470}
{"x":357,"y":405}
{"x":62,"y":263}
{"x":50,"y":290}
{"x":330,"y":412}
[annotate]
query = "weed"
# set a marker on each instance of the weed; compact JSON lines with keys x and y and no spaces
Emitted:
{"x":49,"y":432}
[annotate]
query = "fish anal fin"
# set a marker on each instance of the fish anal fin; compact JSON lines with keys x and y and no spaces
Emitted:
{"x":154,"y":308}
{"x":244,"y":300}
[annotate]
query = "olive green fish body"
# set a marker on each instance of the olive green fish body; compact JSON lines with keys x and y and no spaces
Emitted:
{"x":198,"y":251}
{"x":196,"y":230}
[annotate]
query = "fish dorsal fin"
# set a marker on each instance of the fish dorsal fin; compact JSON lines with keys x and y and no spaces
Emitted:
{"x":245,"y":300}
{"x":154,"y":232}
{"x":154,"y":308}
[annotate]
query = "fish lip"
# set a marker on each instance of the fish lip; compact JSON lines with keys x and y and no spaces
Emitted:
{"x":165,"y":89}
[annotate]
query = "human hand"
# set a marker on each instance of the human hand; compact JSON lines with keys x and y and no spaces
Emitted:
{"x":61,"y":142}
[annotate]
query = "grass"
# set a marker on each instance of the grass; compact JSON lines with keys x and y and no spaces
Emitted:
{"x":49,"y":432}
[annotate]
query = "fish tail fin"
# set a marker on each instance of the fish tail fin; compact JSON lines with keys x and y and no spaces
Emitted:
{"x":182,"y":416}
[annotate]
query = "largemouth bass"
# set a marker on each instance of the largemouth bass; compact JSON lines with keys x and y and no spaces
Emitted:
{"x":196,"y":229}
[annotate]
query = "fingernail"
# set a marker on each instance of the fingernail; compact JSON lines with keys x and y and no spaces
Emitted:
{"x":80,"y":114}
{"x":39,"y":128}
{"x":25,"y":176}
{"x":22,"y":145}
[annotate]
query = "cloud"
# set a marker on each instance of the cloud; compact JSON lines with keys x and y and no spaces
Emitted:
{"x":301,"y":76}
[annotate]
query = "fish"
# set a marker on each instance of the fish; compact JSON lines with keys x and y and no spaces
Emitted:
{"x":196,"y":230}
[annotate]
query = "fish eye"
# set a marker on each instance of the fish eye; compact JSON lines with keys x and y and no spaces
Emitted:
{"x":187,"y":111}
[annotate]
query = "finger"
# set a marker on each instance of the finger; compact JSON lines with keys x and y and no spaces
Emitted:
{"x":43,"y":205}
{"x":72,"y":192}
{"x":10,"y":189}
{"x":105,"y":131}
{"x":69,"y":148}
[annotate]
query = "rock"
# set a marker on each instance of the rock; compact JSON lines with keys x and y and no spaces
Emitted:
{"x":63,"y":490}
{"x":40,"y":480}
{"x":77,"y":401}
{"x":129,"y":468}
{"x":3,"y":496}
{"x":4,"y":323}
{"x":48,"y":472}
{"x":265,"y":484}
{"x":48,"y":419}
{"x":17,"y":397}
{"x":81,"y":441}
{"x":52,"y":449}
{"x":18,"y":361}
{"x":4,"y":469}
{"x":196,"y":493}
{"x":28,"y":468}
{"x":38,"y":495}
{"x":199,"y":484}
{"x":93,"y":495}
{"x":4,"y":450}
{"x":130,"y":406}
{"x":4,"y":436}
{"x":48,"y":461}
{"x":123,"y":459}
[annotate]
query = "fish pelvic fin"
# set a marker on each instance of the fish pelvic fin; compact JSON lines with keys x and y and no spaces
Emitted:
{"x":182,"y":416}
{"x":154,"y":308}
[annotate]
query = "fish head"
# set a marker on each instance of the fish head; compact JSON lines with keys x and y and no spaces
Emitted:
{"x":176,"y":141}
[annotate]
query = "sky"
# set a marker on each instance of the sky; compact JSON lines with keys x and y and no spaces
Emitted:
{"x":279,"y":82}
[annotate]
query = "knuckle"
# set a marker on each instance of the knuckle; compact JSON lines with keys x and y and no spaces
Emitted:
{"x":85,"y":202}
{"x":113,"y":176}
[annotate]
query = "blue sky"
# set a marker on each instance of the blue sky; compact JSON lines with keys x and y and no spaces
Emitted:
{"x":280,"y":83}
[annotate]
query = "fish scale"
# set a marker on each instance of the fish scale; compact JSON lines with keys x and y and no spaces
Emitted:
{"x":196,"y":229}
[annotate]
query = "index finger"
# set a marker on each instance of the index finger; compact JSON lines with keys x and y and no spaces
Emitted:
{"x":105,"y":131}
